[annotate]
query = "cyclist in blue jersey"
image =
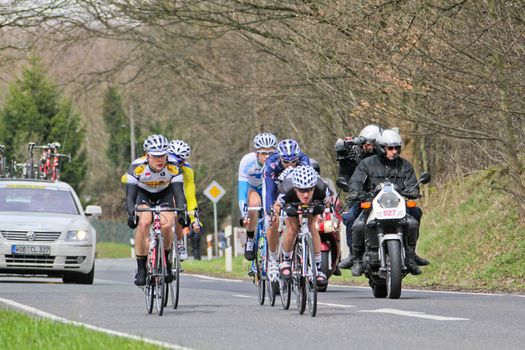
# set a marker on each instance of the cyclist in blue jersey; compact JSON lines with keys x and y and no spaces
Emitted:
{"x":250,"y":186}
{"x":288,"y":155}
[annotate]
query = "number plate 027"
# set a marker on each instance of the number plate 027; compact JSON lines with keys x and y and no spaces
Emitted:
{"x":30,"y":249}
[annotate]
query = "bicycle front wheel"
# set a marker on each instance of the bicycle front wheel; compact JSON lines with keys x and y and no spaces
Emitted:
{"x":160,"y":278}
{"x":298,"y":278}
{"x":311,"y":276}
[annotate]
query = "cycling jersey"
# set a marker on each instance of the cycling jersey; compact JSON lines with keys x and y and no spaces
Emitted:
{"x":188,"y":178}
{"x":250,"y":177}
{"x":140,"y":174}
{"x":152,"y":183}
{"x":287,"y":192}
{"x":271,"y":171}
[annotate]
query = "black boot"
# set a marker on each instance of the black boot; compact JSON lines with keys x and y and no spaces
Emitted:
{"x":357,"y":267}
{"x":346,"y":263}
{"x":421,"y":261}
{"x":410,"y":262}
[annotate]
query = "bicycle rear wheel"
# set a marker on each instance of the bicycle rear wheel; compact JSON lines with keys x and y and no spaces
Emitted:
{"x":149,"y":292}
{"x":286,"y":293}
{"x":311,"y":277}
{"x":175,"y":268}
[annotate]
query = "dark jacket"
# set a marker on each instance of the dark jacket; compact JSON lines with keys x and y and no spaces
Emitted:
{"x":377,"y":169}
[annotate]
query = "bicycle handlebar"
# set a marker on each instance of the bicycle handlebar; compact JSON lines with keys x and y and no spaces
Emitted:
{"x":158,"y":208}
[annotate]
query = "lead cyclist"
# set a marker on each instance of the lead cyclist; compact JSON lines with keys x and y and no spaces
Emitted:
{"x":150,"y":179}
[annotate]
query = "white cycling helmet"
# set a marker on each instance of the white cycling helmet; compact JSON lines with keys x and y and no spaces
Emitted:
{"x":389,"y":138}
{"x":264,"y":140}
{"x":304,"y":176}
{"x":180,"y":149}
{"x":370,"y":133}
{"x":156,"y":145}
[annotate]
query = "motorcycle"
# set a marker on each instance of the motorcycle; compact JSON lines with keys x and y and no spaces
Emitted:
{"x":328,"y":228}
{"x":385,"y":237}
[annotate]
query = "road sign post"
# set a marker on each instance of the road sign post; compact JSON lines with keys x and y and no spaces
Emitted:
{"x":215,"y":192}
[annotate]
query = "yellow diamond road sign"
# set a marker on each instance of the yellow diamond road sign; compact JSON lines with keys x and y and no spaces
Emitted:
{"x":214,"y":191}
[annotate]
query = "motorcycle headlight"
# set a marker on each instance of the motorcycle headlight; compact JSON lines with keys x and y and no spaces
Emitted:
{"x":77,"y":235}
{"x":388,"y":200}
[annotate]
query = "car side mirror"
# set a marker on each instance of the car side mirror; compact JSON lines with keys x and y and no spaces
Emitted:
{"x":93,"y":210}
{"x":425,"y":178}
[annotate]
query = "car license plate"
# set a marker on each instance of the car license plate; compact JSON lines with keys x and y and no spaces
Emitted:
{"x":30,"y":249}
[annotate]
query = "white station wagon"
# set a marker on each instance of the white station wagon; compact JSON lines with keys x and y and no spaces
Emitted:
{"x":45,"y":231}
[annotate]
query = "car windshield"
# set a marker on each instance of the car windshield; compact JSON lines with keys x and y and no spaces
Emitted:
{"x":32,"y":199}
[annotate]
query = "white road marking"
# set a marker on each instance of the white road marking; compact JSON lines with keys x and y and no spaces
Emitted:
{"x":416,"y":314}
{"x":213,"y":278}
{"x":336,"y":305}
{"x":244,"y":296}
{"x":52,"y":317}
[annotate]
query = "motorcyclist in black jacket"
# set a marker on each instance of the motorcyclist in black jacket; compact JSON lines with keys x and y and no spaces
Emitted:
{"x":387,"y":165}
{"x":349,"y":152}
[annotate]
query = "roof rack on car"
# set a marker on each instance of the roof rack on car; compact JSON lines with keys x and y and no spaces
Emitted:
{"x":47,"y":167}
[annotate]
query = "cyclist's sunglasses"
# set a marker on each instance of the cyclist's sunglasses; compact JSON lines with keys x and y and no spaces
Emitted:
{"x":157,"y":156}
{"x":286,"y":162}
{"x":264,"y":153}
{"x":391,"y":148}
{"x":305,"y":190}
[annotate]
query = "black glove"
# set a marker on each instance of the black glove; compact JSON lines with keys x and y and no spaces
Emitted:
{"x":414,"y":194}
{"x":241,"y":222}
{"x":133,"y":221}
{"x":290,"y":210}
{"x":353,"y":196}
{"x":183,"y":220}
{"x":365,"y":196}
{"x":318,"y":209}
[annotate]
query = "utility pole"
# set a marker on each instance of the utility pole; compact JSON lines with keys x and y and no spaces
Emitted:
{"x":132,"y":132}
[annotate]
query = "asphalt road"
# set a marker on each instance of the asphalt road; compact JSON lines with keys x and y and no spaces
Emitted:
{"x":221,"y":314}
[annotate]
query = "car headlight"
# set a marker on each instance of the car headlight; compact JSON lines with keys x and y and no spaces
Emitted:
{"x":77,"y":235}
{"x":388,"y":200}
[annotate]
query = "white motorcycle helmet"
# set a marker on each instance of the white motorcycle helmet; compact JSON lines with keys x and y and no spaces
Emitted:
{"x":370,"y":133}
{"x":388,"y":138}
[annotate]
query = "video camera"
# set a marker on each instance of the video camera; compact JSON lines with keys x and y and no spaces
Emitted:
{"x":349,"y":148}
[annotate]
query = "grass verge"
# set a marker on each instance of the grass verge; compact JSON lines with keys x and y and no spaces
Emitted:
{"x":21,"y":331}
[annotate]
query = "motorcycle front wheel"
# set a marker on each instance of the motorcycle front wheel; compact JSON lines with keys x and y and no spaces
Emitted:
{"x":394,"y":274}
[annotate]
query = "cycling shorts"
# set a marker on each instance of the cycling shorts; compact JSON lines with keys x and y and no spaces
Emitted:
{"x":164,"y":198}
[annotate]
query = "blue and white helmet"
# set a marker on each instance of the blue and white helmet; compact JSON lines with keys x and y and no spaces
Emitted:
{"x":304,"y":176}
{"x":288,"y":150}
{"x":156,"y":145}
{"x":180,"y":148}
{"x":264,"y":140}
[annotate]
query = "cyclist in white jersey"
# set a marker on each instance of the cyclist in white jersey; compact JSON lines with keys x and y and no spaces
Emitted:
{"x":250,"y":186}
{"x":152,"y":180}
